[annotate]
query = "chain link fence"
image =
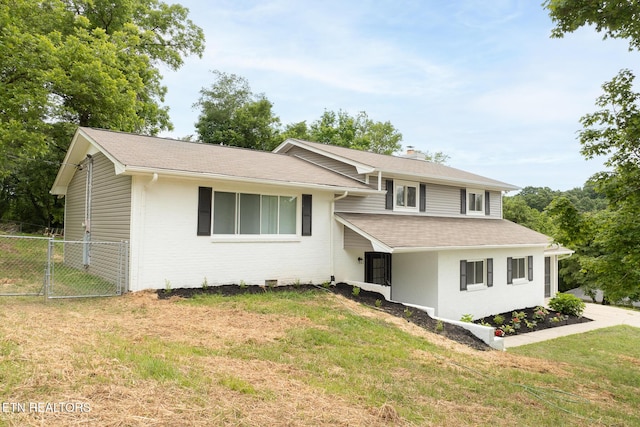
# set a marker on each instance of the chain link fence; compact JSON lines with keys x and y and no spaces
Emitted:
{"x":60,"y":268}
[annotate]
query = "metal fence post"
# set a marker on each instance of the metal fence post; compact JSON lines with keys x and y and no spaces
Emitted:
{"x":48,"y":269}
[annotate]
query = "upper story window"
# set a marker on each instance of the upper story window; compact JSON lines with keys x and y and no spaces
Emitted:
{"x":474,"y":202}
{"x":405,"y":196}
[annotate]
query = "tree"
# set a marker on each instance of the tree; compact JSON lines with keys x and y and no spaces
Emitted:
{"x":616,"y":18}
{"x":69,"y":63}
{"x":232,"y":114}
{"x":358,"y":132}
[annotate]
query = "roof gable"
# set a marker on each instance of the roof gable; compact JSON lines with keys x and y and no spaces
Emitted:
{"x":368,"y":162}
{"x":140,"y":154}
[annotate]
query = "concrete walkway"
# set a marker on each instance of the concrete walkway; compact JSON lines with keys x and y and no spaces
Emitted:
{"x":603,"y":316}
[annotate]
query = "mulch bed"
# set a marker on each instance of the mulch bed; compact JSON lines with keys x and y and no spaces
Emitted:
{"x":529,"y":312}
{"x":372,"y":299}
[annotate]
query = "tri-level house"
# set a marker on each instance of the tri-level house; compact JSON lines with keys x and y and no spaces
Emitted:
{"x":415,"y":231}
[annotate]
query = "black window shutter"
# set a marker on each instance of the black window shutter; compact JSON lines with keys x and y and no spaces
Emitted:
{"x":388,"y":204}
{"x":489,"y":272}
{"x":463,"y":275}
{"x":423,"y":197}
{"x":306,"y":214}
{"x":487,"y":203}
{"x":463,"y":201}
{"x":509,"y":271}
{"x":530,"y":267}
{"x":204,"y":211}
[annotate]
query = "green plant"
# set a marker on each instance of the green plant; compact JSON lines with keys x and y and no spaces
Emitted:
{"x":205,"y":284}
{"x":559,"y":317}
{"x":530,"y":323}
{"x":378,"y":303}
{"x":498,"y":319}
{"x":243,"y":284}
{"x":167,"y":286}
{"x":439,"y":326}
{"x":467,"y":318}
{"x":540,"y":313}
{"x":567,"y":304}
{"x":326,"y":285}
{"x":508,"y":329}
{"x":297,"y":283}
{"x":407,"y":313}
{"x":520,"y":315}
{"x":355,"y":291}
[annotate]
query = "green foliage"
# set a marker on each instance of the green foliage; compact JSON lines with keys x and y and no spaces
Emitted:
{"x":231,"y":114}
{"x":540,"y":313}
{"x":83,"y":63}
{"x":498,"y":319}
{"x":439,"y":326}
{"x":378,"y":303}
{"x":467,"y":318}
{"x":358,"y":132}
{"x":407,"y":313}
{"x":567,"y":304}
{"x":615,"y":18}
{"x":355,"y":291}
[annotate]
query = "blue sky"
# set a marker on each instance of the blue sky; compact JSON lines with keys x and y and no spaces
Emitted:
{"x":481,"y":81}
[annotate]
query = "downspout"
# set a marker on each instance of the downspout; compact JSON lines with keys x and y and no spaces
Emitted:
{"x":152,"y":181}
{"x":332,"y":207}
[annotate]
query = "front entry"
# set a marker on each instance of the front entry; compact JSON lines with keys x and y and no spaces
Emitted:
{"x":377,"y":268}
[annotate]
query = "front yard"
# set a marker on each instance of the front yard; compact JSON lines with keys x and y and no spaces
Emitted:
{"x":292,"y":358}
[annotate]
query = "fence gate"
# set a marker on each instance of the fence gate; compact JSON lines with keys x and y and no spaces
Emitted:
{"x":62,"y":268}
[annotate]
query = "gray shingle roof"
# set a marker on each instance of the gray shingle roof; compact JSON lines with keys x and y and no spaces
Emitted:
{"x":424,"y":232}
{"x":405,"y":166}
{"x":146,"y":153}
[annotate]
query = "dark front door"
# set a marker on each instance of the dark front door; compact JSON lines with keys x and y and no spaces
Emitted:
{"x":377,"y":268}
{"x":547,"y":277}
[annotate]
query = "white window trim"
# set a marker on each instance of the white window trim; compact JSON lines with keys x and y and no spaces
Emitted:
{"x":237,"y":237}
{"x":479,"y":286}
{"x":416,"y":185}
{"x":470,"y":211}
{"x":520,"y":280}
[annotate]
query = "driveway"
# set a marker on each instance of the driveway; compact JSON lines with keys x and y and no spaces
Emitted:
{"x":603,"y":316}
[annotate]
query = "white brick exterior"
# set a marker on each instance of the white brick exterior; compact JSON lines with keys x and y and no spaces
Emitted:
{"x":165,"y":247}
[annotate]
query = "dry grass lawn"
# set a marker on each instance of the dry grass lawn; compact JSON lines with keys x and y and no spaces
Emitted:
{"x":316,"y":360}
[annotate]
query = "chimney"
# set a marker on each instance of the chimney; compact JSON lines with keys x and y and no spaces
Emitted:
{"x":412,"y":153}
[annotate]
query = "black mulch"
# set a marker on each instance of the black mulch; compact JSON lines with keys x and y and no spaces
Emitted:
{"x":540,"y":324}
{"x":372,"y":299}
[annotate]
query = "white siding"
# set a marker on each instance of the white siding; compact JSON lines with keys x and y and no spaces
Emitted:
{"x":167,"y":250}
{"x":453,"y":303}
{"x":415,"y":278}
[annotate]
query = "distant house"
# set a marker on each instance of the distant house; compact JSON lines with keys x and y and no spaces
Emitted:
{"x":416,"y":231}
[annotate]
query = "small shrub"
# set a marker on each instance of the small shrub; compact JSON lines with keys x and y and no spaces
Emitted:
{"x":467,"y":318}
{"x":498,"y":320}
{"x":508,"y":329}
{"x":205,"y":284}
{"x":567,"y":304}
{"x":355,"y":291}
{"x":531,"y":324}
{"x":167,"y":286}
{"x":243,"y":284}
{"x":326,"y":285}
{"x":407,"y":313}
{"x":439,"y":326}
{"x":519,"y":315}
{"x":378,"y":303}
{"x":540,"y":313}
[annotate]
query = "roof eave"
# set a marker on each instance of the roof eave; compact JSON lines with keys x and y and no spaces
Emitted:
{"x":360,"y":167}
{"x":140,"y":170}
{"x":410,"y":249}
{"x":453,"y":181}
